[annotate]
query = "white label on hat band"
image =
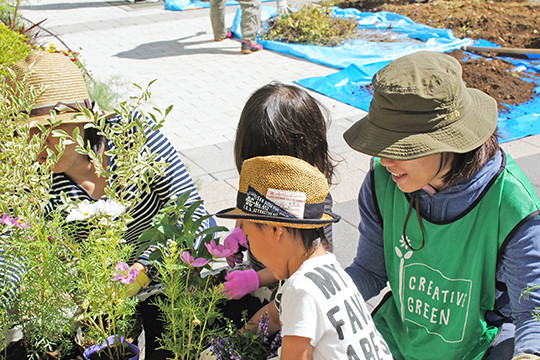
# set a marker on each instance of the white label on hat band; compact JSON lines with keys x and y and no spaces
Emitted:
{"x":293,"y":202}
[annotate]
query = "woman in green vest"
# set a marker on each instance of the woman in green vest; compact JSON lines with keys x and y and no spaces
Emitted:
{"x":448,"y":220}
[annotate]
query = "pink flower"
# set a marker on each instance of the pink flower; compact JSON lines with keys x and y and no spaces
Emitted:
{"x":188,"y":259}
{"x":220,"y":251}
{"x":6,"y":220}
{"x":125,"y":274}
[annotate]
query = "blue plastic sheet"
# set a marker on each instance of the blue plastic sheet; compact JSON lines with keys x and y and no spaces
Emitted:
{"x":515,"y":122}
{"x":406,"y":37}
{"x":361,"y":59}
{"x":180,"y":5}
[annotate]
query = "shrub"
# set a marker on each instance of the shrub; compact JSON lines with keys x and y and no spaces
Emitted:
{"x":312,"y":25}
{"x":13,"y":46}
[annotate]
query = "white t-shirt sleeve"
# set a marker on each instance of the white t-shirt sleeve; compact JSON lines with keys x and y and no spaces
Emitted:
{"x":300,"y":314}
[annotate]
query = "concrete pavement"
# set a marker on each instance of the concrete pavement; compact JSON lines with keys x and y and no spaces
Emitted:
{"x":208,"y":82}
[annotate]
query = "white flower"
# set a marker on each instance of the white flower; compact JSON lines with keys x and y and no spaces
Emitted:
{"x":86,"y":209}
{"x":111,"y":207}
{"x":82,"y":211}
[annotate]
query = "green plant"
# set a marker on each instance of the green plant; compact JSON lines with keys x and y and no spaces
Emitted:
{"x":189,"y":300}
{"x":248,"y":345}
{"x":64,"y":282}
{"x":313,"y":25}
{"x":526,"y":293}
{"x":107,"y":93}
{"x":10,"y":17}
{"x":42,"y":301}
{"x":13,"y":46}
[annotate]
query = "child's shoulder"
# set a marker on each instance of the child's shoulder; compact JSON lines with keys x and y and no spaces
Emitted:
{"x":320,"y":274}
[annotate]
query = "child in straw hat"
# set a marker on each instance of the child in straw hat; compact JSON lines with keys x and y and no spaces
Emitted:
{"x":447,"y":218}
{"x":280,"y":208}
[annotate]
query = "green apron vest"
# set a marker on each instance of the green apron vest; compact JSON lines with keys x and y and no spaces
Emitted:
{"x":441,"y":293}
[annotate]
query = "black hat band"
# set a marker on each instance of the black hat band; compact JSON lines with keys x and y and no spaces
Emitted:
{"x":255,"y":203}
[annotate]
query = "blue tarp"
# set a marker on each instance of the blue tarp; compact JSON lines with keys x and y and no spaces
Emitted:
{"x":180,"y":5}
{"x":515,"y":122}
{"x":361,"y":59}
{"x":406,"y":37}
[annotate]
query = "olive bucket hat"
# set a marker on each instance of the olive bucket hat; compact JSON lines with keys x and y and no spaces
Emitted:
{"x":62,"y":84}
{"x":420,"y":107}
{"x":281,"y":190}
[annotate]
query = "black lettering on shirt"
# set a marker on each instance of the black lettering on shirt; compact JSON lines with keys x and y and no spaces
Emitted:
{"x":325,"y":282}
{"x":352,"y":317}
{"x":337,"y":324}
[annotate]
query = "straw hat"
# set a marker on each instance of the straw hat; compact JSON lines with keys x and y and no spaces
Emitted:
{"x":281,"y":190}
{"x":63,"y":85}
{"x":421,"y":107}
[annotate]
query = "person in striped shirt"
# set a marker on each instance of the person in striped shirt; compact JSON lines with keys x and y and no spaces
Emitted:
{"x":76,"y":176}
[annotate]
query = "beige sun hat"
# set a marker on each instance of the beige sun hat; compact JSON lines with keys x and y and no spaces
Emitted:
{"x":420,"y":107}
{"x":63,"y":85}
{"x":281,"y":190}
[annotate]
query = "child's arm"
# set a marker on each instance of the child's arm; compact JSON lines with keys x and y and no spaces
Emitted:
{"x":273,"y":325}
{"x":296,"y":348}
{"x":242,"y":282}
{"x":266,"y":277}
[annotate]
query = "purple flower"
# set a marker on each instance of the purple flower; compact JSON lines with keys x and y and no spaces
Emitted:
{"x":6,"y":220}
{"x":125,"y":274}
{"x":188,"y":259}
{"x":220,"y":251}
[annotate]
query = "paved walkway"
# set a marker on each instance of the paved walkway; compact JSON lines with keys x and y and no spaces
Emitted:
{"x":208,"y":82}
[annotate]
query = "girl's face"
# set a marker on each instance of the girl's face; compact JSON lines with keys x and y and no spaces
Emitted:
{"x":413,"y":175}
{"x":70,"y":157}
{"x":264,"y":245}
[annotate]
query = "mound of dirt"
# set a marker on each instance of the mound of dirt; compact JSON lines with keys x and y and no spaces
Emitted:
{"x":507,"y":23}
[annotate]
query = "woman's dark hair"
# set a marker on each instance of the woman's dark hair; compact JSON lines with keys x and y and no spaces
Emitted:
{"x":467,"y":164}
{"x":281,"y":119}
{"x":92,"y":137}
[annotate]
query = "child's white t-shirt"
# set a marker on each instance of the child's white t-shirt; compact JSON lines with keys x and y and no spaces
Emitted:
{"x":320,"y":301}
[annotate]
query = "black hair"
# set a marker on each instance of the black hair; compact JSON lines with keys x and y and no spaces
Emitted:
{"x":94,"y":139}
{"x":281,"y":119}
{"x":308,"y":236}
{"x":467,"y":164}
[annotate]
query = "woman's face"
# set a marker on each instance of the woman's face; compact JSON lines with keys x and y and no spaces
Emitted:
{"x":70,"y":157}
{"x":413,"y":175}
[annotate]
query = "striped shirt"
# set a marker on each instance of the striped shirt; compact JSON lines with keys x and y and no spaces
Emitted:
{"x":174,"y":181}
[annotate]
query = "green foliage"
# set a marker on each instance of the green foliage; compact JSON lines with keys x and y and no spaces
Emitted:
{"x":313,"y":25}
{"x":10,"y":17}
{"x":44,"y":300}
{"x":106,"y":93}
{"x":189,"y":300}
{"x":526,"y":293}
{"x":67,"y":282}
{"x":249,"y":345}
{"x":166,"y":226}
{"x":13,"y":47}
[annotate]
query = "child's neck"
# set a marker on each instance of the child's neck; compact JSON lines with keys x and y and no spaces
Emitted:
{"x":299,"y":260}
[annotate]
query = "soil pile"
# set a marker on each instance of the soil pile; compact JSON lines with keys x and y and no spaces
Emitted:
{"x":507,"y":23}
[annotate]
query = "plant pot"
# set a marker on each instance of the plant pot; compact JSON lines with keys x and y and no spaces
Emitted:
{"x":96,"y":352}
